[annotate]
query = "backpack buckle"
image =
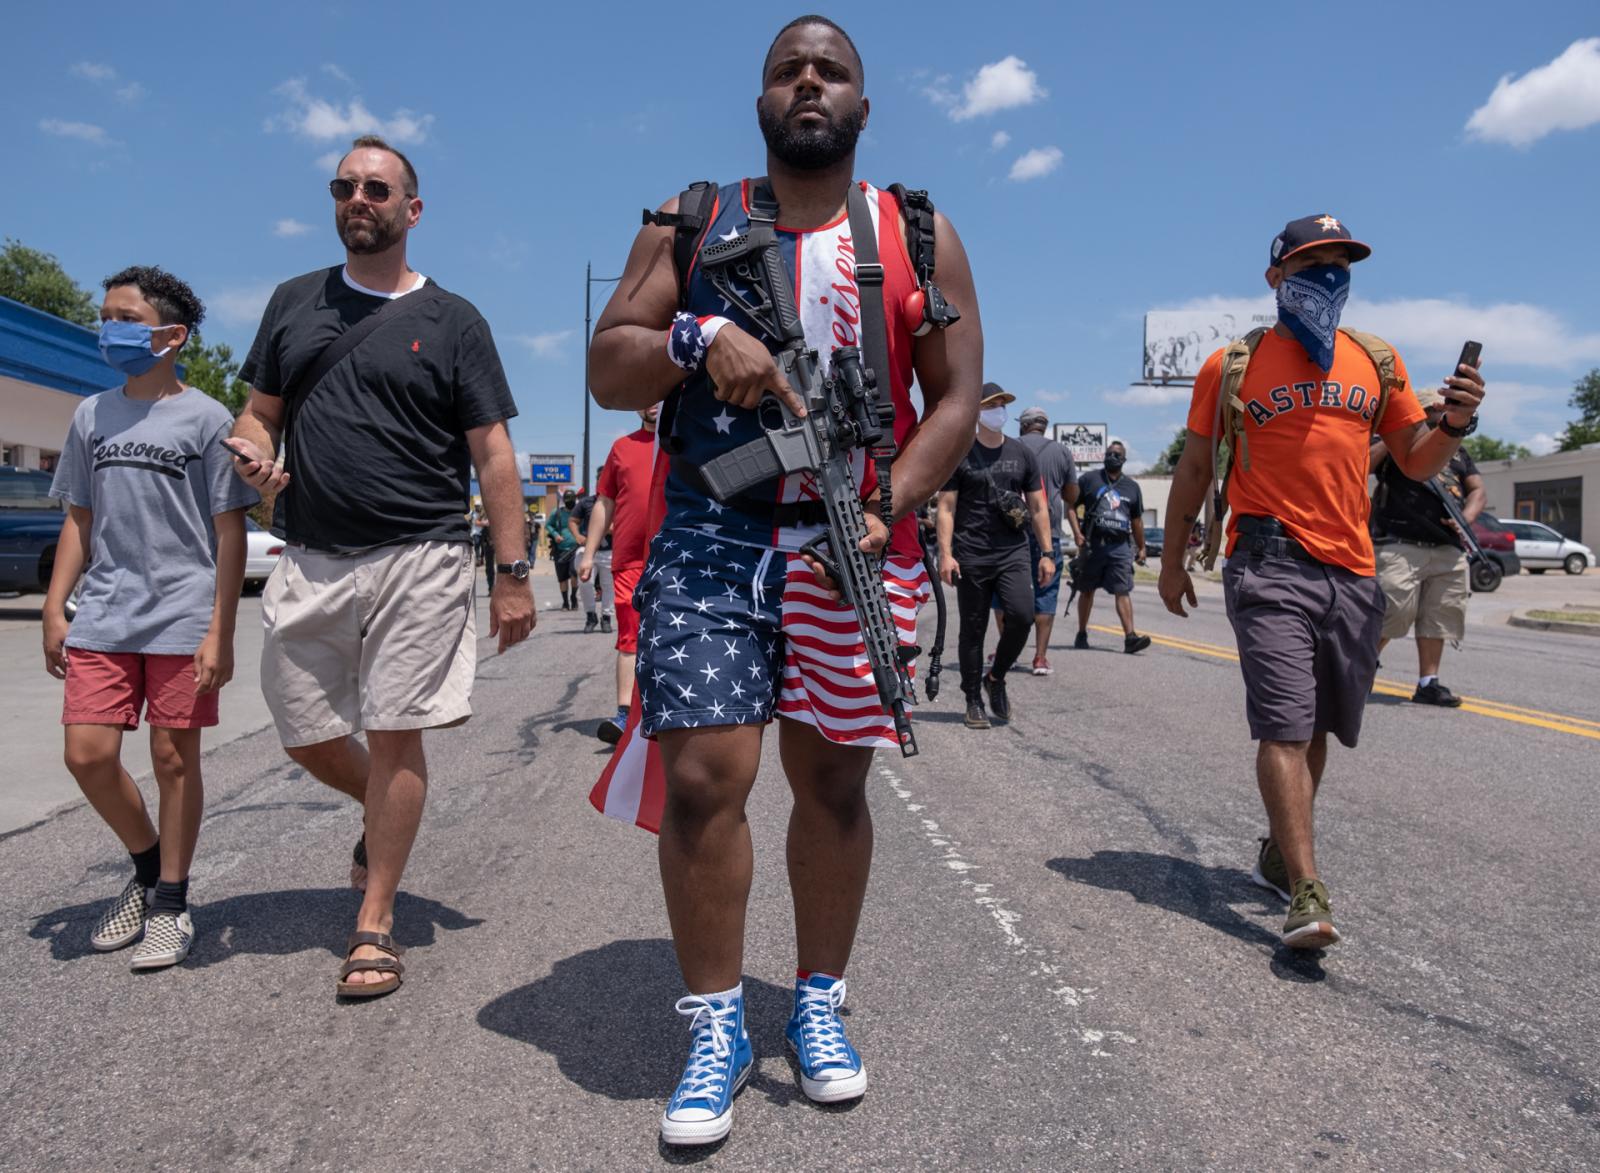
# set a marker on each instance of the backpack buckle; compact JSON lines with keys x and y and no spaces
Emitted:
{"x":869,"y":274}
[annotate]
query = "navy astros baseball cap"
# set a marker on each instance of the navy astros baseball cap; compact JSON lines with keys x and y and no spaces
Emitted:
{"x":1310,"y":231}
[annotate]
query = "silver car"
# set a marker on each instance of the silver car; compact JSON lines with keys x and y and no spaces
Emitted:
{"x":260,"y":556}
{"x":1542,"y":548}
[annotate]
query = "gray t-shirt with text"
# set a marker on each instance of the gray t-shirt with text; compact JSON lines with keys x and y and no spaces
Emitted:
{"x":154,"y":474}
{"x":1057,"y":469}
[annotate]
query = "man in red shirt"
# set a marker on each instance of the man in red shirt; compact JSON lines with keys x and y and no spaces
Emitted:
{"x":1300,"y":580}
{"x":622,"y":504}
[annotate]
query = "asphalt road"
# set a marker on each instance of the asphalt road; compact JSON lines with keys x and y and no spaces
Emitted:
{"x":1062,"y":963}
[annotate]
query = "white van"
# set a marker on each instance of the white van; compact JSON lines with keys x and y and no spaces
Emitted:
{"x":1542,"y":548}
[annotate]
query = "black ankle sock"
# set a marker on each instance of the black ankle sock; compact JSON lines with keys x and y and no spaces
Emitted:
{"x":171,"y":896}
{"x":147,"y":864}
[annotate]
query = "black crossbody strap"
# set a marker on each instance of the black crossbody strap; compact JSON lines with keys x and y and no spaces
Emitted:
{"x":335,"y":353}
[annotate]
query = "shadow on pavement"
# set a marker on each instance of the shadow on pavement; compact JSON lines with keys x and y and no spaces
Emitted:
{"x":606,"y":1016}
{"x":1205,"y":894}
{"x":263,"y":924}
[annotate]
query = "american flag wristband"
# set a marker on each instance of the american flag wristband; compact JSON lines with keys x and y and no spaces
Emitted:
{"x":690,"y":338}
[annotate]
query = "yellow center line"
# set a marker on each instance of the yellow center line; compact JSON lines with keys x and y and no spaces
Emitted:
{"x":1557,"y":722}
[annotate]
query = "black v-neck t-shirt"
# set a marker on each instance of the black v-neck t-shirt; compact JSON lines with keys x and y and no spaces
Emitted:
{"x":377,"y":456}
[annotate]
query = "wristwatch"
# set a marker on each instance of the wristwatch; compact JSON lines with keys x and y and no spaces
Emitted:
{"x":517,"y":570}
{"x":1459,"y":433}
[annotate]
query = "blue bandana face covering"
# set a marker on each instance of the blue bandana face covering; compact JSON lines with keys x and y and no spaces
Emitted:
{"x":126,"y":346}
{"x":1310,"y":303}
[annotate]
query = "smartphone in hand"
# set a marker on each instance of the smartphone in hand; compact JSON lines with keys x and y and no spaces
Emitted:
{"x":1471,"y":354}
{"x":236,"y":453}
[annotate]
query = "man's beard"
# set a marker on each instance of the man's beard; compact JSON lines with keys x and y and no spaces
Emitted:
{"x":364,"y":237}
{"x":812,"y":148}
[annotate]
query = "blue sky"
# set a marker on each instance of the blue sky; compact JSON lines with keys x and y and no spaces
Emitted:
{"x":1098,"y":161}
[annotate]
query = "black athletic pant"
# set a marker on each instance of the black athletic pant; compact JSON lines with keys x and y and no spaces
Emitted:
{"x":1011,"y":582}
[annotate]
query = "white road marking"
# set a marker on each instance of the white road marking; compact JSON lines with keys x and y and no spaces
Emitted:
{"x":1008,"y":920}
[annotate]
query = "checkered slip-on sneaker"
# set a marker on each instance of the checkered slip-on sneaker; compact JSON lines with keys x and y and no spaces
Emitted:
{"x":166,"y":941}
{"x":120,"y":925}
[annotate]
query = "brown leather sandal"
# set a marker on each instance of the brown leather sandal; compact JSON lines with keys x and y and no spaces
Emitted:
{"x":390,"y":965}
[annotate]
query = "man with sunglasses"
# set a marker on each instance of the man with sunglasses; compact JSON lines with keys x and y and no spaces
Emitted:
{"x":369,"y":614}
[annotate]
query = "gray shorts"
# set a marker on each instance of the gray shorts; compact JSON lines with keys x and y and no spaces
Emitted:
{"x":1108,"y":566}
{"x":1308,"y":645}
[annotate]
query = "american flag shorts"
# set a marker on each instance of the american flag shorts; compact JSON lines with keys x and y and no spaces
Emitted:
{"x":731,"y":634}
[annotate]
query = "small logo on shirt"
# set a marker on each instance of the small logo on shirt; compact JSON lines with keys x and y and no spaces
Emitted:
{"x":416,"y":345}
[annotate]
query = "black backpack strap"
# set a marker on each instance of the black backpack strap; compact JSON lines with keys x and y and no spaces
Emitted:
{"x":916,"y":209}
{"x":696,"y":206}
{"x":874,"y":334}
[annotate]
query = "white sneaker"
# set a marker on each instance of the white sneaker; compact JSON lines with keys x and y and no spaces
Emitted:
{"x":166,"y":941}
{"x":121,"y":924}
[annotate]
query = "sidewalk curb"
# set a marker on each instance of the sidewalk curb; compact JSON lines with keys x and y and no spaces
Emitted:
{"x":1523,"y":619}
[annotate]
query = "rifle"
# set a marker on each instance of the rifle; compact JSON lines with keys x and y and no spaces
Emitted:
{"x":844,"y":411}
{"x":1469,"y":540}
{"x":930,"y":683}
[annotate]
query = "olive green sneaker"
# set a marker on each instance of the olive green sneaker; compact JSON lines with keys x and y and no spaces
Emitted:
{"x":1310,"y":921}
{"x":1269,"y":872}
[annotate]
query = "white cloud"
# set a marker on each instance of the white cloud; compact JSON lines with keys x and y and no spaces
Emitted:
{"x":1000,"y":85}
{"x":334,"y":71}
{"x":323,"y":121}
{"x":290,"y":228}
{"x":1541,"y":443}
{"x":93,"y":71}
{"x":86,"y":131}
{"x":328,"y":162}
{"x":1432,"y":329}
{"x":1036,"y":164}
{"x":130,"y":93}
{"x":242,"y":305}
{"x":1143,"y":396}
{"x":547,"y":345}
{"x":1563,"y":95}
{"x":999,"y":141}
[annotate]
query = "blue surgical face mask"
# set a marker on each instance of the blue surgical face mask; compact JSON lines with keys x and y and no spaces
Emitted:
{"x":993,"y":418}
{"x":1310,"y":304}
{"x":126,"y":346}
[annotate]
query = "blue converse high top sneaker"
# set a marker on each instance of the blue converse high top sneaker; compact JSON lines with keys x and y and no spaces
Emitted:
{"x":720,"y":1058}
{"x":830,"y":1069}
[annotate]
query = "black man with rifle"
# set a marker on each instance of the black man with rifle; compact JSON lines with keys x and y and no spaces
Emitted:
{"x":786,"y":343}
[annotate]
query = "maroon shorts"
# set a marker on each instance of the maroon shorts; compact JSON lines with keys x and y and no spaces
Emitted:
{"x":624,"y":581}
{"x":1308,"y":644}
{"x":113,"y":688}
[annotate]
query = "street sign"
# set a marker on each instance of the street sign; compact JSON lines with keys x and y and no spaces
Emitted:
{"x":1086,"y":442}
{"x":544,"y":469}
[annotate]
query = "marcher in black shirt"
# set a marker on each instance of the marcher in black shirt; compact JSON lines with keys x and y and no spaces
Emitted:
{"x":985,"y":511}
{"x":1110,"y":541}
{"x":370,"y":609}
{"x":1421,"y":564}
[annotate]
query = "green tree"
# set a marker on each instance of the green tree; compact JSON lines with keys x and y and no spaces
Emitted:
{"x":37,"y":279}
{"x":1167,"y":463}
{"x":1586,"y":428}
{"x":1489,"y":448}
{"x":212,"y":370}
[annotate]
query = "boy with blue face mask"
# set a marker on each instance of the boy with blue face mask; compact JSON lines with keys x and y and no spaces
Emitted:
{"x":155,"y":527}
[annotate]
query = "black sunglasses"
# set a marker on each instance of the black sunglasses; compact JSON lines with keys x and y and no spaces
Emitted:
{"x":376,"y":190}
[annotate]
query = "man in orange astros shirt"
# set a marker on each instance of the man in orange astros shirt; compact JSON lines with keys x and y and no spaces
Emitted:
{"x":1300,"y":581}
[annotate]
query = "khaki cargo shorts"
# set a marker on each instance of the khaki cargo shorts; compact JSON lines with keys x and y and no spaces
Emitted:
{"x":1426,"y":587}
{"x":384,"y":640}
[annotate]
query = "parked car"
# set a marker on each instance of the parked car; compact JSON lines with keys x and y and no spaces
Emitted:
{"x":1500,"y":547}
{"x":30,"y":524}
{"x":1153,"y":535}
{"x":262,"y":549}
{"x":1542,"y":548}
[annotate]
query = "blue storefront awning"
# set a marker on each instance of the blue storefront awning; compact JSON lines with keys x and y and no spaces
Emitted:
{"x":40,"y":348}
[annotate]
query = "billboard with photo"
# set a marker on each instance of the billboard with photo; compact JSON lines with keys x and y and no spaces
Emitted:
{"x":1086,"y":442}
{"x":1178,"y":342}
